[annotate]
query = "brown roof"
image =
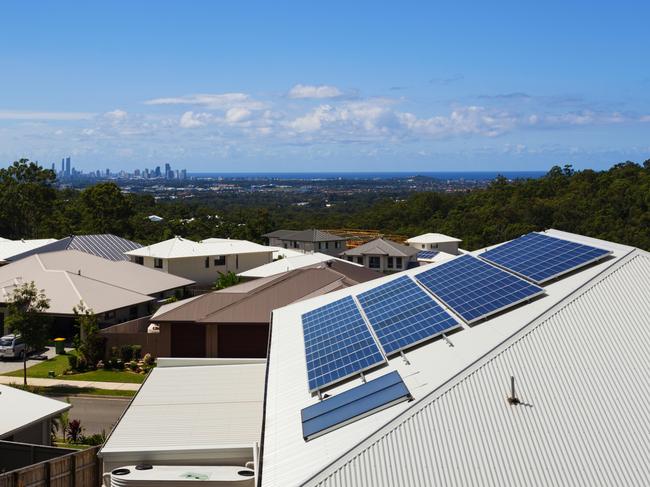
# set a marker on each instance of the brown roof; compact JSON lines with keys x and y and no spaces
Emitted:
{"x":252,"y":302}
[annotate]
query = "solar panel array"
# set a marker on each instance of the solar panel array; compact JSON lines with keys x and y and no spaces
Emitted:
{"x":427,"y":254}
{"x":475,"y":289}
{"x":540,"y":257}
{"x":402,"y":314}
{"x":338,"y":343}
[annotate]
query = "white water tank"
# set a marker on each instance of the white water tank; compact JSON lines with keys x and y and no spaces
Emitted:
{"x":179,"y":476}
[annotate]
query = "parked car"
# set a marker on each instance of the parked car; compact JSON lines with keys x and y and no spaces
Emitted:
{"x":12,"y":346}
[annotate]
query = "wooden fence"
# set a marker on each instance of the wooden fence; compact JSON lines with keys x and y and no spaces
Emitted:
{"x":133,"y":332}
{"x":78,"y":469}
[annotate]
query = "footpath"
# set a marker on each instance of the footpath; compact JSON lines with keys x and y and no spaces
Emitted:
{"x":33,"y":381}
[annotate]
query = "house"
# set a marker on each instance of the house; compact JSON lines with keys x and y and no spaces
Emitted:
{"x":234,"y":322}
{"x":27,"y":417}
{"x":287,"y":264}
{"x":536,"y":375}
{"x":192,"y":412}
{"x":436,"y":242}
{"x":116,"y":291}
{"x":202,"y":261}
{"x":155,"y":218}
{"x":307,"y":241}
{"x":382,"y":255}
{"x":11,"y":248}
{"x":105,"y":245}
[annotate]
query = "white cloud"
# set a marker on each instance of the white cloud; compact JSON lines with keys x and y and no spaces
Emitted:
{"x":116,"y":115}
{"x":29,"y":115}
{"x":190,"y":120}
{"x":315,"y":92}
{"x":222,"y":101}
{"x":237,"y":114}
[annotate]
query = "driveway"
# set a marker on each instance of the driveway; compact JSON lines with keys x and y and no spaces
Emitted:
{"x":96,"y":413}
{"x":9,"y":364}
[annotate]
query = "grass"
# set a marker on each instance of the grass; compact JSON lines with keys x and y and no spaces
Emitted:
{"x":59,"y":364}
{"x":66,"y":390}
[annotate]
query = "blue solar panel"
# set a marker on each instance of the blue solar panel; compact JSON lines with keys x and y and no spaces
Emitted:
{"x":475,"y":289}
{"x":338,"y":343}
{"x":540,"y":257}
{"x":353,"y":404}
{"x":403,"y":315}
{"x":427,"y":254}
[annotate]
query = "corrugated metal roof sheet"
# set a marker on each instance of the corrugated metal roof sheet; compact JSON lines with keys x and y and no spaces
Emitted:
{"x":106,"y":245}
{"x":20,"y":409}
{"x":581,"y":373}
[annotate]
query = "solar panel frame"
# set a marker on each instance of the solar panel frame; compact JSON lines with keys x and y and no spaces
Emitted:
{"x":528,"y":248}
{"x":338,"y":344}
{"x":479,"y":285}
{"x":403,"y":315}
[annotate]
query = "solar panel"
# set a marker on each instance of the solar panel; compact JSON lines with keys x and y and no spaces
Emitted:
{"x":338,"y":343}
{"x":354,"y":404}
{"x":540,"y":257}
{"x":427,"y":254}
{"x":475,"y":289}
{"x":402,"y":314}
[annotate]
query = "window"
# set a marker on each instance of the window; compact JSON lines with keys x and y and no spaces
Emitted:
{"x":157,"y":263}
{"x":398,"y":262}
{"x":133,"y":312}
{"x":337,"y":244}
{"x":320,"y":245}
{"x":424,"y":247}
{"x":360,"y":260}
{"x":295,"y":244}
{"x":390,"y":262}
{"x":109,"y":315}
{"x":350,"y":258}
{"x":237,"y":261}
{"x":220,"y":260}
{"x":207,"y":262}
{"x":139,"y":260}
{"x":373,"y":262}
{"x":327,"y":245}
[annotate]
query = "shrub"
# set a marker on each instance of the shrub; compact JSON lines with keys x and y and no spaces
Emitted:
{"x":74,"y":431}
{"x":126,"y":353}
{"x":94,"y":440}
{"x":73,"y":360}
{"x":137,"y":351}
{"x":148,"y":359}
{"x":133,"y":365}
{"x":82,"y":363}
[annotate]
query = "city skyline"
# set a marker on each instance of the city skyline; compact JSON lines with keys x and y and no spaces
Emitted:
{"x":292,"y":87}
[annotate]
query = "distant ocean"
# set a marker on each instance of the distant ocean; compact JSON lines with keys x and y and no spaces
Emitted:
{"x":467,"y":175}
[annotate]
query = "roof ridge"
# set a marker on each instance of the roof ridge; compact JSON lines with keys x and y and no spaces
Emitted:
{"x":455,"y":380}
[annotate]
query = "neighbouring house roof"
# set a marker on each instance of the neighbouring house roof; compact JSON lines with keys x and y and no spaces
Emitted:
{"x":21,"y":409}
{"x":106,"y":245}
{"x":312,"y":235}
{"x":432,"y":238}
{"x":70,"y":276}
{"x":253,"y":301}
{"x":576,"y":370}
{"x":178,"y":248}
{"x":201,"y":407}
{"x":288,"y":264}
{"x":11,"y":248}
{"x":381,"y":246}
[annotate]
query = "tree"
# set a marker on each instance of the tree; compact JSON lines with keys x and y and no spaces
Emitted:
{"x":226,"y":280}
{"x":90,"y":344}
{"x":105,"y":209}
{"x":25,"y":316}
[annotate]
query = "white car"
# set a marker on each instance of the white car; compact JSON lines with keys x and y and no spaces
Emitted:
{"x":12,"y":346}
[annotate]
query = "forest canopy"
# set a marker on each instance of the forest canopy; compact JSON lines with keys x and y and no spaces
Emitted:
{"x":613,"y":205}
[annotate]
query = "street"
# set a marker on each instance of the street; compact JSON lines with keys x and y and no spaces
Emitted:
{"x":96,"y":413}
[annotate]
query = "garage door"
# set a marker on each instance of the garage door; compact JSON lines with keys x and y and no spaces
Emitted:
{"x":187,"y":340}
{"x":242,"y":341}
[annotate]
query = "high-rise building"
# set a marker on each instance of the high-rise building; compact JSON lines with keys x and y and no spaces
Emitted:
{"x":183,"y":174}
{"x":168,"y":171}
{"x":108,"y":172}
{"x":62,"y":166}
{"x":67,"y":167}
{"x":157,"y":172}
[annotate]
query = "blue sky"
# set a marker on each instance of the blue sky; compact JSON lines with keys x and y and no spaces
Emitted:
{"x":358,"y":86}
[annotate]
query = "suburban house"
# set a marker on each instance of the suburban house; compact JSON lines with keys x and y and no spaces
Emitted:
{"x":488,"y":368}
{"x":234,"y":322}
{"x":202,"y":261}
{"x":11,"y":248}
{"x":435,"y":242}
{"x":105,"y":245}
{"x":116,"y":291}
{"x":195,"y":412}
{"x":287,"y":264}
{"x":27,"y":417}
{"x":382,"y":255}
{"x":307,"y":241}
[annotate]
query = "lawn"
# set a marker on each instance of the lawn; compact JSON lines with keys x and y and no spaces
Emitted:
{"x":65,"y":390}
{"x":59,"y":364}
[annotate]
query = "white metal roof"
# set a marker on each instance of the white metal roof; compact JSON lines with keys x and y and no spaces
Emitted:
{"x":20,"y":409}
{"x":426,"y":238}
{"x":289,"y":460}
{"x":9,"y":248}
{"x":437,"y":258}
{"x":71,"y":276}
{"x":179,"y":247}
{"x":289,"y":264}
{"x":188,"y":409}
